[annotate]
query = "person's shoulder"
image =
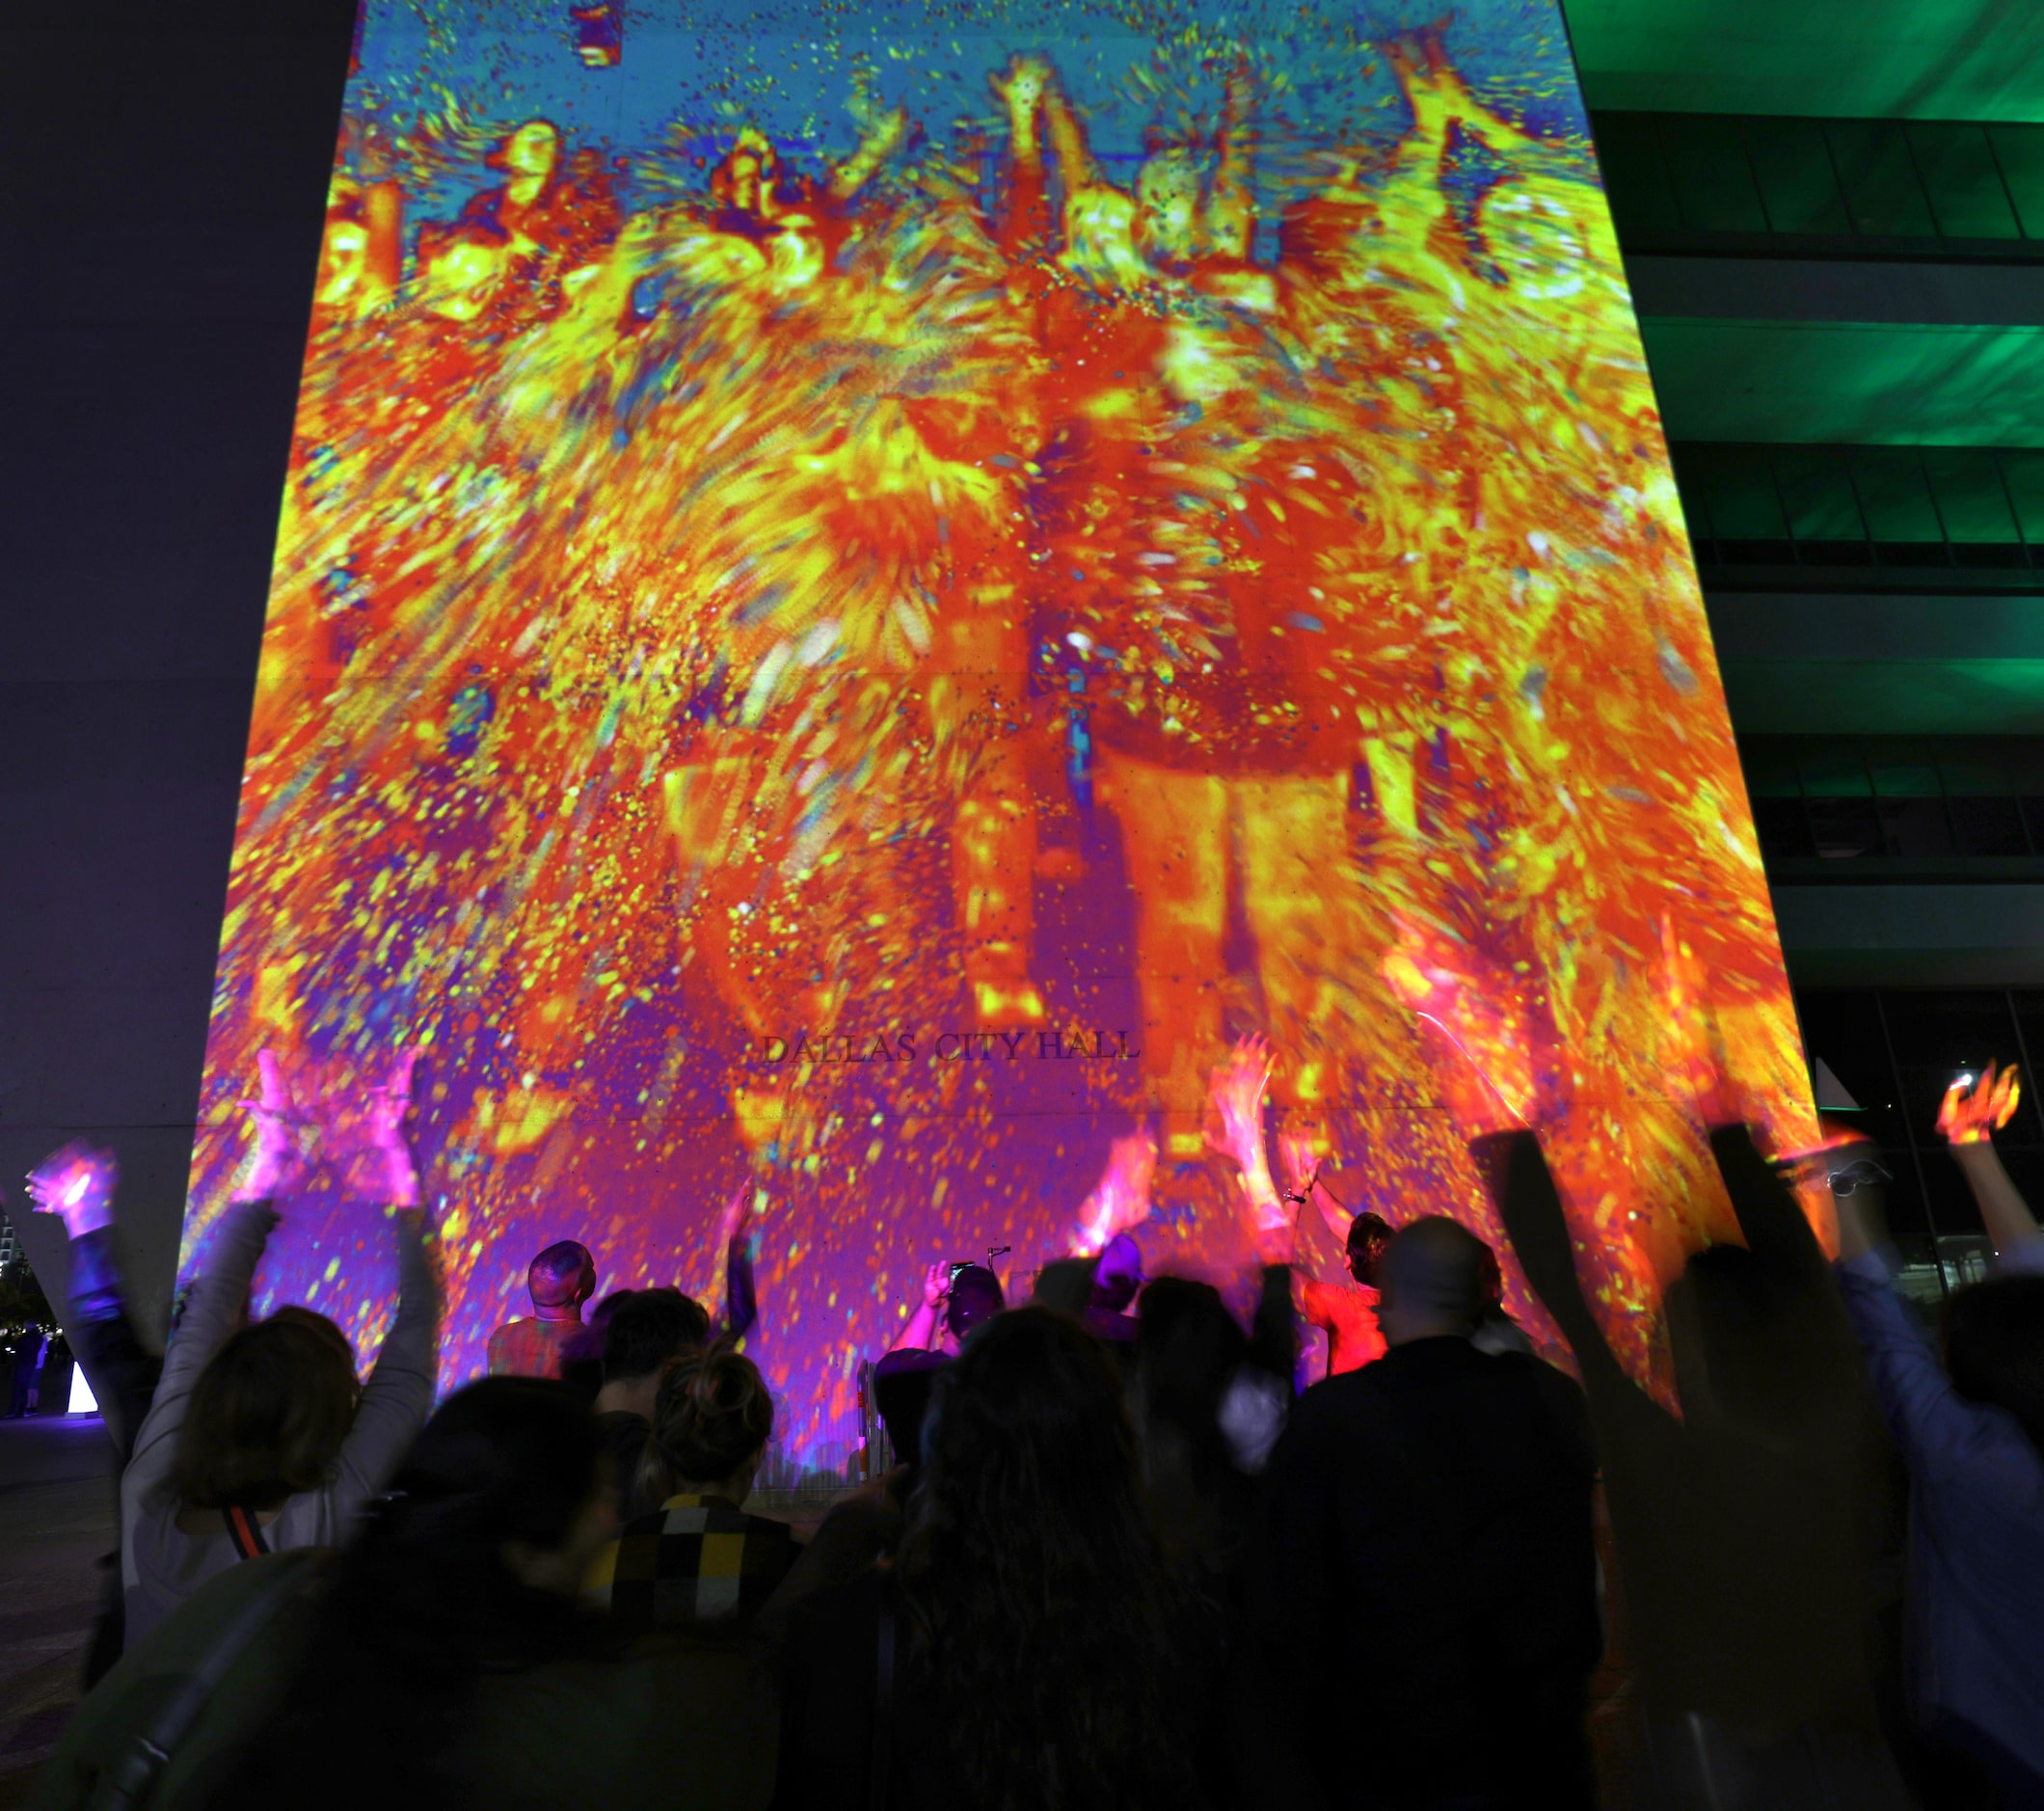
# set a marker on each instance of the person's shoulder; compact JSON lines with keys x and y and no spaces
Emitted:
{"x":907,"y":1360}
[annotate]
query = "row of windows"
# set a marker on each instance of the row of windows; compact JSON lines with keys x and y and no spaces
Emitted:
{"x":1895,"y":1051}
{"x":1895,"y":797}
{"x":1675,"y":174}
{"x":1898,"y":508}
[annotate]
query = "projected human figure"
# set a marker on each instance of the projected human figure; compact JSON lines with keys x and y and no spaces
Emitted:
{"x":1196,"y":496}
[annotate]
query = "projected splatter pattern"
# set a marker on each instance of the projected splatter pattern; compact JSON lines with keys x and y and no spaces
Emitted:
{"x":856,"y":598}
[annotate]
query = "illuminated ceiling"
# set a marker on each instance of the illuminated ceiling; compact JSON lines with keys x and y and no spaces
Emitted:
{"x":1912,"y":59}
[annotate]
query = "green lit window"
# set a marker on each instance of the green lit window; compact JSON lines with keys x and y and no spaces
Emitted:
{"x":1681,"y":176}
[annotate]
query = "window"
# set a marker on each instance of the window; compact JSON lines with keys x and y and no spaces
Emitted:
{"x":1901,"y":510}
{"x":1875,"y":799}
{"x":1684,"y":175}
{"x":1895,"y":1051}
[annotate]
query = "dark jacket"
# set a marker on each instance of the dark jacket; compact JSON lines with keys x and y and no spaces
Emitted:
{"x":1425,"y":1580}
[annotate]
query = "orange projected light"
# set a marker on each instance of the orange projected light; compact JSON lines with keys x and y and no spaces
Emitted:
{"x":852,"y":608}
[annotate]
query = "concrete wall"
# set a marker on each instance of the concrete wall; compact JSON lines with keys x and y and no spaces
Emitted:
{"x":166,"y":173}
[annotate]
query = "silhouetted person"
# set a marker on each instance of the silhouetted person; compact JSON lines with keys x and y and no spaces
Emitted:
{"x":28,"y":1366}
{"x":260,"y":1437}
{"x":1424,"y":1580}
{"x":1348,"y":1311}
{"x":1741,"y":1528}
{"x":698,"y":1556}
{"x":649,"y":1332}
{"x":451,"y":1663}
{"x":1117,"y":1279}
{"x":1971,"y":1431}
{"x":559,"y":1280}
{"x":952,"y":1306}
{"x":1028,"y":1643}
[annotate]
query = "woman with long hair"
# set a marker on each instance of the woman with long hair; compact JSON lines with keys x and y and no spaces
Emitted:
{"x":1026,"y":1648}
{"x":450,"y":1662}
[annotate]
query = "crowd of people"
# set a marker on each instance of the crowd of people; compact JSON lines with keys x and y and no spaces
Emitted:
{"x":1120,"y":1559}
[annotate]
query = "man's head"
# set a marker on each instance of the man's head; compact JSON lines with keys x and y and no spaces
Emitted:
{"x":1430,"y":1283}
{"x":561,"y":1279}
{"x":1993,"y":1347}
{"x":649,"y":1329}
{"x":975,"y":1298}
{"x":1119,"y":1274}
{"x":1369,"y":1234}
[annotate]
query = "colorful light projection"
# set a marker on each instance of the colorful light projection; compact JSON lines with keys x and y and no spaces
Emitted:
{"x":857,"y":596}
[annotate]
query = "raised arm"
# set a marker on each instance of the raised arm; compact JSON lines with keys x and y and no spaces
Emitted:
{"x":1969,"y":1118}
{"x":76,"y":1185}
{"x":1231,"y":198}
{"x":920,"y":1335}
{"x":1936,"y":1429}
{"x":1120,"y":1200}
{"x":399,"y":1395}
{"x":1771,"y":1219}
{"x":877,"y":142}
{"x":1235,"y":1131}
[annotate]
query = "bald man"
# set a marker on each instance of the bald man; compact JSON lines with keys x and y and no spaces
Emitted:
{"x":559,"y":1281}
{"x":1428,"y":1529}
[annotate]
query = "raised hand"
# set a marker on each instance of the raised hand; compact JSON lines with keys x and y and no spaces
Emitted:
{"x":1120,"y":1200}
{"x":388,"y":1172}
{"x":284,"y":1134}
{"x":732,"y":1221}
{"x":1300,"y":1161}
{"x":1973,"y":1111}
{"x":1235,"y":1104}
{"x":1234,"y":1128}
{"x":76,"y":1184}
{"x":936,"y":1287}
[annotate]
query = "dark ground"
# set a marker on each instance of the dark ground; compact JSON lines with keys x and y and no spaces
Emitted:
{"x":56,"y":1519}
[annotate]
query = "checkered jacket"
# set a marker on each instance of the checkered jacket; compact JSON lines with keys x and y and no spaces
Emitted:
{"x":693,"y":1560}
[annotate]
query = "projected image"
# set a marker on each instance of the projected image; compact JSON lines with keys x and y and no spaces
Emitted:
{"x":860,"y":599}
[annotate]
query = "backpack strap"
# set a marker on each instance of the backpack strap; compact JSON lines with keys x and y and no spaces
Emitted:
{"x":132,"y":1775}
{"x":881,"y":1759}
{"x":244,"y":1530}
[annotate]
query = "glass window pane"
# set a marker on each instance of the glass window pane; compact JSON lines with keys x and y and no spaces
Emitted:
{"x":1835,"y":769}
{"x":1784,"y":830}
{"x":1713,"y":184}
{"x":1823,"y":514}
{"x":1940,"y":1035}
{"x":2024,"y":475}
{"x":1902,"y":770}
{"x":1885,"y":199}
{"x":1966,"y":193}
{"x":1692,"y":486}
{"x":1896,"y":493}
{"x":1915,"y":829}
{"x":1976,"y":768}
{"x":1770,"y":766}
{"x":1844,"y":1028}
{"x":2020,"y":151}
{"x":1797,"y":182}
{"x":1987,"y":826}
{"x":1635,"y":175}
{"x":1745,"y":511}
{"x":1974,"y":506}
